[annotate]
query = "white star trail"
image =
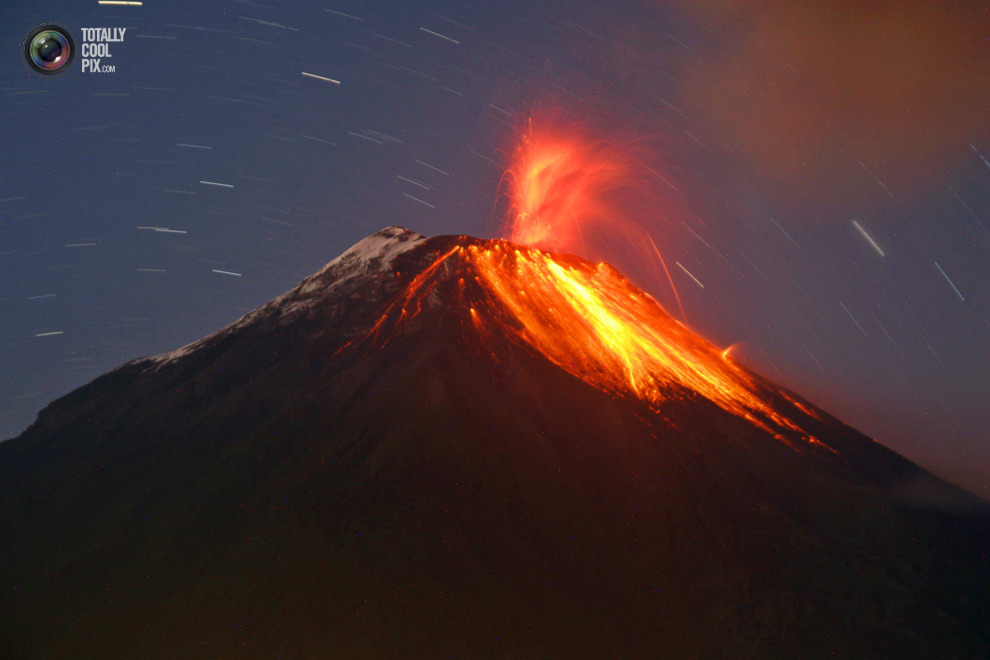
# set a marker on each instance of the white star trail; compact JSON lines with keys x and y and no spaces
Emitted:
{"x":949,"y":281}
{"x":869,"y":239}
{"x":688,"y":273}
{"x":323,"y":78}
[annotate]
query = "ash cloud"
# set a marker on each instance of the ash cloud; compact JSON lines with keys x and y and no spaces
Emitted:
{"x":815,"y":93}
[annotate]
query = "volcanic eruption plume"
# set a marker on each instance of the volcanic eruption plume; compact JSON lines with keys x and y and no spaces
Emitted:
{"x":571,"y":190}
{"x":562,"y":186}
{"x":586,"y":317}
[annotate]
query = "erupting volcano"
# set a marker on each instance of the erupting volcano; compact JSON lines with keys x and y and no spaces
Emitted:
{"x":559,"y":185}
{"x":460,"y":447}
{"x":585,"y":318}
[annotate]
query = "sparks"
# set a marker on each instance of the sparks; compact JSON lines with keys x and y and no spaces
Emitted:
{"x":559,"y":182}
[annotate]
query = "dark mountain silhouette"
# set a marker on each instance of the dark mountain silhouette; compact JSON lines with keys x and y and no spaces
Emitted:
{"x":378,"y":464}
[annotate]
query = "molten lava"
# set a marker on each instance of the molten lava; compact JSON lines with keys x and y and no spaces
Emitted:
{"x":559,"y":184}
{"x":587,"y":318}
{"x":573,"y":192}
{"x":593,"y":323}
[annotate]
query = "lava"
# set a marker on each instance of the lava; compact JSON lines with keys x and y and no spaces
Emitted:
{"x":572,"y":191}
{"x":559,"y":184}
{"x":593,"y":323}
{"x":586,"y":317}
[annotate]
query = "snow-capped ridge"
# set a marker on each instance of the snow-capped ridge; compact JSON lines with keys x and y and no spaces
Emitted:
{"x":368,"y":256}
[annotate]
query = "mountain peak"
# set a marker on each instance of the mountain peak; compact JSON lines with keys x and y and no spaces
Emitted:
{"x":368,"y":257}
{"x":585,"y":318}
{"x":435,"y":446}
{"x":382,"y":246}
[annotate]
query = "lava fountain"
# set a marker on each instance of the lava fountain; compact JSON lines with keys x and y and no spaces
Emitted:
{"x":585,"y":317}
{"x":559,"y":186}
{"x":572,"y":192}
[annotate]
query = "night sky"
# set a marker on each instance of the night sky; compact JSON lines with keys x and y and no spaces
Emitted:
{"x":823,"y":165}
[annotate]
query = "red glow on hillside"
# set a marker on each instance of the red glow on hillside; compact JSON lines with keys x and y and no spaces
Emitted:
{"x":566,"y":190}
{"x":593,"y":323}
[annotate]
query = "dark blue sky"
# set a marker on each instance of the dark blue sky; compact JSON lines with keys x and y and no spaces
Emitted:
{"x":789,"y":138}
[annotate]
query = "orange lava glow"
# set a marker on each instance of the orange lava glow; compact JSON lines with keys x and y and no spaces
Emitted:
{"x":587,"y":318}
{"x":559,"y":184}
{"x":571,"y":189}
{"x":590,"y":321}
{"x":593,"y":323}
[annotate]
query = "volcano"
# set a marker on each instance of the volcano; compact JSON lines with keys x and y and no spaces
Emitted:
{"x":465,"y":448}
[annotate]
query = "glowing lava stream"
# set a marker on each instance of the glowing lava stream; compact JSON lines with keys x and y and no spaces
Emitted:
{"x":586,"y":318}
{"x":591,"y":322}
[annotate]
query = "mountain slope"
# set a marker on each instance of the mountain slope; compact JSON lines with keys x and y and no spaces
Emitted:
{"x":361,"y":468}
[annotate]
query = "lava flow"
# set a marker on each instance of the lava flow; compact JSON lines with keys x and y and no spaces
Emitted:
{"x":590,"y":321}
{"x":593,"y":323}
{"x":584,"y":317}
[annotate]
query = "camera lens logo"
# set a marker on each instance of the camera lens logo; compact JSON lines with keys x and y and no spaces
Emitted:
{"x":49,"y":49}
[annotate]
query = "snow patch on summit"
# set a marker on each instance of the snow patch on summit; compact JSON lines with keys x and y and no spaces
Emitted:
{"x":369,"y":256}
{"x":372,"y":254}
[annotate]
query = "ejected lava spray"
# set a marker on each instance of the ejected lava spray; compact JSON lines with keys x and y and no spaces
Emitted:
{"x":571,"y":191}
{"x":567,"y":193}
